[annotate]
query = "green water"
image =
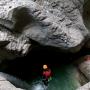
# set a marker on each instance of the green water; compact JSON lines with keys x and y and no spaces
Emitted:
{"x":64,"y":78}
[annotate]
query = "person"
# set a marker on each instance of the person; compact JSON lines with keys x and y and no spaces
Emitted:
{"x":46,"y":74}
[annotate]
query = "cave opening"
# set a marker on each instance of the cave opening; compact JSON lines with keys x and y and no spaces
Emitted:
{"x":29,"y":67}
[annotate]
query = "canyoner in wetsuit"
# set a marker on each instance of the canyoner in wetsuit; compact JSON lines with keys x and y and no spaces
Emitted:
{"x":46,"y":74}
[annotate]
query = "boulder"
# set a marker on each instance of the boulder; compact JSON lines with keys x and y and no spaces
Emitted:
{"x":84,"y":66}
{"x":12,"y":46}
{"x":8,"y":82}
{"x":85,"y":87}
{"x":50,"y":23}
{"x":55,"y":23}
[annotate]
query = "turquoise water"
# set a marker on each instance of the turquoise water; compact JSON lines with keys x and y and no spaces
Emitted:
{"x":64,"y":78}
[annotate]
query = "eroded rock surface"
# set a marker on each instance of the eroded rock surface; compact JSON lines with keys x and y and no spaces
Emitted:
{"x":8,"y":82}
{"x":85,"y":87}
{"x":55,"y":23}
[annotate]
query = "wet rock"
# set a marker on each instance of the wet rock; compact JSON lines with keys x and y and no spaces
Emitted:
{"x":86,"y":14}
{"x":11,"y":45}
{"x":55,"y":23}
{"x":8,"y":82}
{"x":85,"y":66}
{"x":85,"y":87}
{"x":86,"y":19}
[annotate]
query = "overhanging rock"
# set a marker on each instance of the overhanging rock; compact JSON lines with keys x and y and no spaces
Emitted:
{"x":55,"y":23}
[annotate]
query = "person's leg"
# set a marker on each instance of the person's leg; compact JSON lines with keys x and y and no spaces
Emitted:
{"x":46,"y":82}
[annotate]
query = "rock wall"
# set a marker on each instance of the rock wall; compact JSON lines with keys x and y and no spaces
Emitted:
{"x":56,"y":23}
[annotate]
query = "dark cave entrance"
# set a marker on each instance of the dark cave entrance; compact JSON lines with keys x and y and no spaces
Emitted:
{"x":29,"y":67}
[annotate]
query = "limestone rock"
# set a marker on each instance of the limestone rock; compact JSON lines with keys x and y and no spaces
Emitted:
{"x":85,"y":66}
{"x":55,"y":23}
{"x":8,"y":82}
{"x":12,"y":46}
{"x":6,"y":85}
{"x":85,"y":87}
